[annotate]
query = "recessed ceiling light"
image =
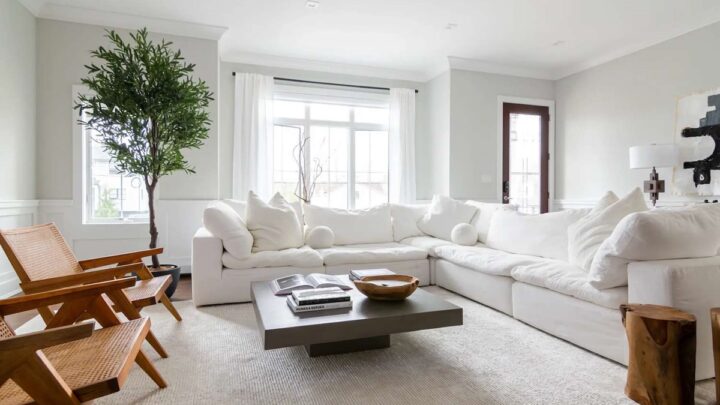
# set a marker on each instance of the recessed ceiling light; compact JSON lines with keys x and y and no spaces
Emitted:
{"x":312,"y":3}
{"x":558,"y":43}
{"x":451,"y":26}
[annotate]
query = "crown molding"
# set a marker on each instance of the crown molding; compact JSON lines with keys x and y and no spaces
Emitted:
{"x":632,"y":48}
{"x":50,"y":11}
{"x":476,"y":65}
{"x":322,"y":66}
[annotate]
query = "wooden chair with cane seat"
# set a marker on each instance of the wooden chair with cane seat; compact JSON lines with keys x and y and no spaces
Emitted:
{"x":70,"y":363}
{"x":43,"y":261}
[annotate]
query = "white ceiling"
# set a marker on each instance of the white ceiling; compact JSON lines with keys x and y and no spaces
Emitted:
{"x":408,"y":38}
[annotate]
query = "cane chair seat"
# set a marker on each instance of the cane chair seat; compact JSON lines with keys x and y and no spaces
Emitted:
{"x":148,"y":292}
{"x":92,"y":367}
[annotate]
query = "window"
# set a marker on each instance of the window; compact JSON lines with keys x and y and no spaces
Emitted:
{"x":109,"y":197}
{"x":347,"y":137}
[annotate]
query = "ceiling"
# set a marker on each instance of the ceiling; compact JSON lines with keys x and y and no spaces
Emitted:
{"x":414,"y":38}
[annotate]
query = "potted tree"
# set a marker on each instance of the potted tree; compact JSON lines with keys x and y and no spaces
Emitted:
{"x":146,"y":108}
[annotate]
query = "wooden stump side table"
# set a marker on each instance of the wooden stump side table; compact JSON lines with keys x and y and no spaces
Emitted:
{"x":715,"y":321}
{"x":662,"y":345}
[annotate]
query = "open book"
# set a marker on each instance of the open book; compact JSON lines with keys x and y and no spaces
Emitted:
{"x":288,"y":284}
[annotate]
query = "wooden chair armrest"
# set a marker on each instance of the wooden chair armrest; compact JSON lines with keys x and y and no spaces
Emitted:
{"x":122,"y":258}
{"x":87,"y":277}
{"x":46,"y":338}
{"x":22,"y":303}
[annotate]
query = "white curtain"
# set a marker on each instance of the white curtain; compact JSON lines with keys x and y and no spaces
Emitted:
{"x":402,"y":146}
{"x":253,"y":138}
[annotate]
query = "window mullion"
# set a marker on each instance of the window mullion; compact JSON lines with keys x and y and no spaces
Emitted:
{"x":351,"y":160}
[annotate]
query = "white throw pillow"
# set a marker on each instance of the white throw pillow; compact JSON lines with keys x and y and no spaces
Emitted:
{"x":320,"y":237}
{"x":586,"y":236}
{"x":405,"y":219}
{"x":225,"y":223}
{"x":238,"y":205}
{"x":464,"y":234}
{"x":543,"y":235}
{"x":274,"y":225}
{"x":656,"y":235}
{"x":484,"y":215}
{"x":442,"y":216}
{"x":371,"y":225}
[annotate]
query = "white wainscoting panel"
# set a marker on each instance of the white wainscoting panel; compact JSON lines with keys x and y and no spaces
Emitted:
{"x":177,"y":221}
{"x":13,"y":214}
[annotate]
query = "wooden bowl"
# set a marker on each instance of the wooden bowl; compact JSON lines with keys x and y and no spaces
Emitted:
{"x":394,"y":287}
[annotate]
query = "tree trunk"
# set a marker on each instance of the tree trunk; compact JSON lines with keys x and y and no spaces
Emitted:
{"x":661,"y":366}
{"x":153,"y":228}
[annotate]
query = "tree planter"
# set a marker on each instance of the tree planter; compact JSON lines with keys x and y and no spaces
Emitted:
{"x":171,"y":270}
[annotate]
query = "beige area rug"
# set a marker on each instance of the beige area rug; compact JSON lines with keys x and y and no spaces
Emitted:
{"x":216,"y":357}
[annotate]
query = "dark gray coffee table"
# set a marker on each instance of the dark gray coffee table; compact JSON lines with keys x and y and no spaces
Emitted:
{"x":368,"y":325}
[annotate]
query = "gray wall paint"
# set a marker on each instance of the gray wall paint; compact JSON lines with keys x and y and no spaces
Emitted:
{"x":630,"y":101}
{"x":17,"y":102}
{"x":474,"y":126}
{"x":227,"y":103}
{"x":63,"y":50}
{"x":436,"y":173}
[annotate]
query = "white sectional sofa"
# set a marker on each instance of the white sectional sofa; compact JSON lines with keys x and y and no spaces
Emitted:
{"x":548,"y":293}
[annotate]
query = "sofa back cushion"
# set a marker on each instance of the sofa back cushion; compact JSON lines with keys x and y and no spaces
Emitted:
{"x":544,"y":235}
{"x":484,"y":215}
{"x":224,"y":222}
{"x":660,"y":234}
{"x":274,"y":225}
{"x":371,"y":225}
{"x":586,"y":235}
{"x":442,"y":216}
{"x":405,"y":220}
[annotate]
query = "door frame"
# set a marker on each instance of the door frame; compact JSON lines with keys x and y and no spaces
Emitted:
{"x":550,"y":104}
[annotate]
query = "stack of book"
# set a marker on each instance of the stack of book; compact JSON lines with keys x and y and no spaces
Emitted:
{"x":318,"y":299}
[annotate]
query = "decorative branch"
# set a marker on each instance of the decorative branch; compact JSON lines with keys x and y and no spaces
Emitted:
{"x":305,"y":187}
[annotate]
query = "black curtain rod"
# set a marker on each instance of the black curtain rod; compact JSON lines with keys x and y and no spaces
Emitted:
{"x":356,"y":86}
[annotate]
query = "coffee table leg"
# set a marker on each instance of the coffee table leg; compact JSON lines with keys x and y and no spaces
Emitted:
{"x":347,"y":346}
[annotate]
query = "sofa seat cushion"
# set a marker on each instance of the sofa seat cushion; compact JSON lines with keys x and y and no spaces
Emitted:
{"x":569,"y":279}
{"x":294,"y":257}
{"x":484,"y":259}
{"x":371,"y":253}
{"x":426,"y":243}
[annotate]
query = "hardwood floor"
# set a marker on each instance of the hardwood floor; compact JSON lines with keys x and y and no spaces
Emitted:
{"x":183,"y":292}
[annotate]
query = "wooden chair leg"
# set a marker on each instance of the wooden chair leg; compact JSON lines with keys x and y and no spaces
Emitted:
{"x":42,"y":382}
{"x":149,"y":369}
{"x":170,"y":307}
{"x":46,"y":314}
{"x":131,"y":312}
{"x":156,"y":345}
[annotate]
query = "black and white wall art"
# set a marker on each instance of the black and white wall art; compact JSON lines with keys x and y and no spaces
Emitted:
{"x":697,"y":134}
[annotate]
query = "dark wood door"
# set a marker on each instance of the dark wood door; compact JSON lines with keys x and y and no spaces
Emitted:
{"x":525,"y":170}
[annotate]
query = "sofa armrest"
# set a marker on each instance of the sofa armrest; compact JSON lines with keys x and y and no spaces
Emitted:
{"x":207,"y":250}
{"x":691,"y":285}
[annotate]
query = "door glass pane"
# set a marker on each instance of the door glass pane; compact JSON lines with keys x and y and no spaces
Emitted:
{"x":525,"y":162}
{"x":371,"y":168}
{"x":329,"y":145}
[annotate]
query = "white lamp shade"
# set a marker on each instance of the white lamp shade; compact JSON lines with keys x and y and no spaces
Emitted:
{"x":655,"y":155}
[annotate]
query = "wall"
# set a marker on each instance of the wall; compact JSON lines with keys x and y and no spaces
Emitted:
{"x":227,"y":103}
{"x":630,"y":101}
{"x":62,"y":51}
{"x":474,"y":127}
{"x":17,"y":132}
{"x":436,"y":169}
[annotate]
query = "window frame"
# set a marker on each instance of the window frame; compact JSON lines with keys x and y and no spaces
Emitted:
{"x":82,"y":145}
{"x":310,"y":95}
